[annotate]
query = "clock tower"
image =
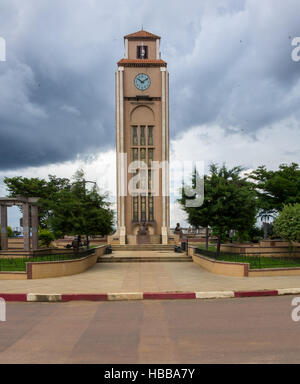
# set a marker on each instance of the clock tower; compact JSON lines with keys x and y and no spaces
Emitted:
{"x":142,"y":122}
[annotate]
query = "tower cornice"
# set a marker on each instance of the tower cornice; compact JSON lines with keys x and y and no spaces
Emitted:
{"x":142,"y":35}
{"x":141,"y":63}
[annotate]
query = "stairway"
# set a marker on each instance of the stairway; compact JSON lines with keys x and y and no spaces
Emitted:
{"x":15,"y":253}
{"x":142,"y":254}
{"x":143,"y":247}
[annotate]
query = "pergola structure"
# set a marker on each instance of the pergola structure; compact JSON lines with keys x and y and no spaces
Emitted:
{"x":29,"y":210}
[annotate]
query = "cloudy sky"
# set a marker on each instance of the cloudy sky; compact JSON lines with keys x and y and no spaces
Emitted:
{"x":235,"y":90}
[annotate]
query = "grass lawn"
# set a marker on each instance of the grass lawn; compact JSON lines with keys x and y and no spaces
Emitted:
{"x":263,"y":262}
{"x":19,"y":265}
{"x":211,"y":248}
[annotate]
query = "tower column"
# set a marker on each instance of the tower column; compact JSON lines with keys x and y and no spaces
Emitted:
{"x":118,"y":148}
{"x":4,"y":239}
{"x":122,"y":163}
{"x":167,"y":154}
{"x":165,"y":168}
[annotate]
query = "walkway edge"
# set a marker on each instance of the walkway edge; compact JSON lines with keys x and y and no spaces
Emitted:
{"x":54,"y":297}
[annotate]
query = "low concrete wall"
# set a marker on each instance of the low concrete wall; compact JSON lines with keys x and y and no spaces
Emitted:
{"x":265,"y":248}
{"x":100,"y":251}
{"x":16,"y":243}
{"x":45,"y":270}
{"x":174,"y":239}
{"x":222,"y":267}
{"x":50,"y":269}
{"x":274,"y":272}
{"x":238,"y":269}
{"x":20,"y":254}
{"x":13,"y":276}
{"x":61,"y":243}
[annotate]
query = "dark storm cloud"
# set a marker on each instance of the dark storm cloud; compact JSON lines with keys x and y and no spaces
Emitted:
{"x":230,"y":64}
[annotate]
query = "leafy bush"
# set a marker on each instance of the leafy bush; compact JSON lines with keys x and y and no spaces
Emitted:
{"x":287,"y":224}
{"x":10,"y":232}
{"x":46,"y":237}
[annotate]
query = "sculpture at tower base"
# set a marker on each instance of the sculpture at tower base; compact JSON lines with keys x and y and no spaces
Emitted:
{"x":143,"y":236}
{"x":143,"y":231}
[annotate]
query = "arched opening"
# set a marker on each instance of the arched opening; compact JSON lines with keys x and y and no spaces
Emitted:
{"x":142,"y":114}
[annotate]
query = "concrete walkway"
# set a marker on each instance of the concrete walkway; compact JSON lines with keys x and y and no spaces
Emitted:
{"x":146,"y":277}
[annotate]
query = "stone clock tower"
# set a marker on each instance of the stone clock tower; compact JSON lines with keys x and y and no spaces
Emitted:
{"x":142,"y":119}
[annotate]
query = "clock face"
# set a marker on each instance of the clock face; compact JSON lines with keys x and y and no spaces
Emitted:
{"x":142,"y":82}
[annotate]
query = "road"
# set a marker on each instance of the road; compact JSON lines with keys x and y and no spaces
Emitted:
{"x":253,"y":330}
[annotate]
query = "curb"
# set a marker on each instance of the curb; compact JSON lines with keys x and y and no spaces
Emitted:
{"x":15,"y":297}
{"x":170,"y":296}
{"x":255,"y":293}
{"x":84,"y":297}
{"x":56,"y":298}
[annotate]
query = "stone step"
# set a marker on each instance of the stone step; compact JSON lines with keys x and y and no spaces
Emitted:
{"x":144,"y":247}
{"x":15,"y":253}
{"x":167,"y":259}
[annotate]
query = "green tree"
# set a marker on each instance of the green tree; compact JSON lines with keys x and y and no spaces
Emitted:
{"x":198,"y":217}
{"x":253,"y":234}
{"x":287,"y":224}
{"x":229,"y":202}
{"x":66,"y":207}
{"x":78,"y":211}
{"x":275,"y":189}
{"x":35,"y":187}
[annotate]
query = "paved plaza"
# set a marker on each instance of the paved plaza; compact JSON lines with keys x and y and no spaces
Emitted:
{"x":255,"y":330}
{"x":146,"y":277}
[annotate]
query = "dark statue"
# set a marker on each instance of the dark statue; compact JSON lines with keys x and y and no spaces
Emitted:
{"x":143,"y":230}
{"x":178,"y":230}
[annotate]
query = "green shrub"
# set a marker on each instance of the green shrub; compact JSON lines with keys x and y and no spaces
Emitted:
{"x":10,"y":232}
{"x":46,"y":237}
{"x":287,"y":224}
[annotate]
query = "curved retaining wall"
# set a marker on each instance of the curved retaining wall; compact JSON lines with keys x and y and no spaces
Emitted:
{"x":269,"y":272}
{"x":222,"y":267}
{"x":238,"y":269}
{"x":13,"y":276}
{"x":46,"y":270}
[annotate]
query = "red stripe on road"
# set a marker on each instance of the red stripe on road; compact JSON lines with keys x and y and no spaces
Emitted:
{"x":85,"y":297}
{"x":169,"y":296}
{"x":18,"y":297}
{"x":256,"y":293}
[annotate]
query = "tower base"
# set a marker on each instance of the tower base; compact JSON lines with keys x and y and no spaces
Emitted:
{"x":165,"y":239}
